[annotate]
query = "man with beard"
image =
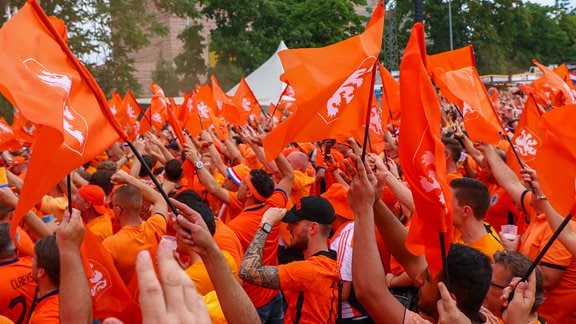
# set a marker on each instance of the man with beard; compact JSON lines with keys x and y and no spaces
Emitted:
{"x":310,"y":286}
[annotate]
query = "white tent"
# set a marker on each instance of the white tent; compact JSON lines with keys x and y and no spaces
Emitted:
{"x":265,"y":80}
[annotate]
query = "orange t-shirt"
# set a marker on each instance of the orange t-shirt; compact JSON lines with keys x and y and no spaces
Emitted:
{"x":17,"y":288}
{"x":47,"y":309}
{"x":245,"y":226}
{"x":231,"y":210}
{"x":300,"y":187}
{"x":502,"y":210}
{"x":199,"y":275}
{"x":125,"y":245}
{"x":558,"y":306}
{"x":101,"y":227}
{"x":228,"y":241}
{"x":487,"y":244}
{"x":317,"y":278}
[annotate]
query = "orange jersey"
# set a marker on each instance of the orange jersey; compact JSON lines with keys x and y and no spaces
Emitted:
{"x":101,"y":227}
{"x":503,"y":211}
{"x":231,"y":210}
{"x":228,"y":241}
{"x":558,"y":306}
{"x":245,"y":226}
{"x":125,"y":245}
{"x":17,"y":288}
{"x":487,"y":244}
{"x":301,"y":187}
{"x":47,"y":309}
{"x":199,"y":275}
{"x":317,"y":278}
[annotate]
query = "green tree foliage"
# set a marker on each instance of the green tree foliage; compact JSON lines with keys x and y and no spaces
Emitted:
{"x":103,"y":34}
{"x":506,"y":34}
{"x":166,"y":77}
{"x":248,"y":32}
{"x":190,"y":64}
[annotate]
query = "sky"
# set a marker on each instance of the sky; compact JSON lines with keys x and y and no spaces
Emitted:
{"x":543,"y":2}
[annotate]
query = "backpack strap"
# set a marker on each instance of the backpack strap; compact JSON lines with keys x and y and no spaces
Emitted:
{"x":299,"y":304}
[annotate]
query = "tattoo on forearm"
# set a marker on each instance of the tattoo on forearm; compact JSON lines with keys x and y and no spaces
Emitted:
{"x":252,"y":270}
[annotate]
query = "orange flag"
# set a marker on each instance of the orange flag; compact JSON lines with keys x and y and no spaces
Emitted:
{"x":193,"y":123}
{"x":24,"y":130}
{"x":468,"y":92}
{"x":7,"y":138}
{"x":115,"y":106}
{"x":158,"y":107}
{"x":556,"y":158}
{"x":174,"y":122}
{"x":205,"y":104}
{"x":110,"y":297}
{"x":287,"y":100}
{"x":277,"y":115}
{"x":223,"y":101}
{"x":390,"y":97}
{"x":141,"y":124}
{"x":422,"y":155}
{"x":557,"y":84}
{"x":563,"y":72}
{"x":69,"y":107}
{"x":332,"y":92}
{"x":451,"y":60}
{"x":528,"y":136}
{"x":441,"y":63}
{"x":376,"y":143}
{"x":246,"y":104}
{"x":133,"y":110}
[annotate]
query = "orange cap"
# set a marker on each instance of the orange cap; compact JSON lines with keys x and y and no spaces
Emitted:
{"x":94,"y":195}
{"x":337,"y":195}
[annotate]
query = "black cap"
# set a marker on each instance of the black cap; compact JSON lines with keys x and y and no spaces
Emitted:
{"x":173,"y":145}
{"x":313,"y":208}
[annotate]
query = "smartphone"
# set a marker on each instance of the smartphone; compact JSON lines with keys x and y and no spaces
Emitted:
{"x":47,"y":219}
{"x":327,"y":148}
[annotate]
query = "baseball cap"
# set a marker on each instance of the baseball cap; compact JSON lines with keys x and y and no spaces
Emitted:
{"x":94,"y":195}
{"x":337,"y":195}
{"x":313,"y":208}
{"x":172,"y":145}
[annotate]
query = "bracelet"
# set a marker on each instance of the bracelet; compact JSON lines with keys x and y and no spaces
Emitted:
{"x":541,"y":197}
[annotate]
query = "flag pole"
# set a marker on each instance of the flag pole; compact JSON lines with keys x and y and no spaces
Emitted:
{"x":277,"y":103}
{"x":69,"y":193}
{"x":367,"y":123}
{"x":542,"y":253}
{"x":149,"y":172}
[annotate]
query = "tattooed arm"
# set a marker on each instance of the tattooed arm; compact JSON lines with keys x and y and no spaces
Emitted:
{"x":251,"y":268}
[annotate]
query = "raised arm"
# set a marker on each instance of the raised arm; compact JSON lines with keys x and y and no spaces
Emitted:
{"x":34,"y":223}
{"x":159,"y":204}
{"x":205,"y":176}
{"x":75,"y":297}
{"x":368,"y":275}
{"x":192,"y":233}
{"x":567,"y":237}
{"x":502,"y":173}
{"x":251,"y":268}
{"x":286,"y":174}
{"x":211,"y":140}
